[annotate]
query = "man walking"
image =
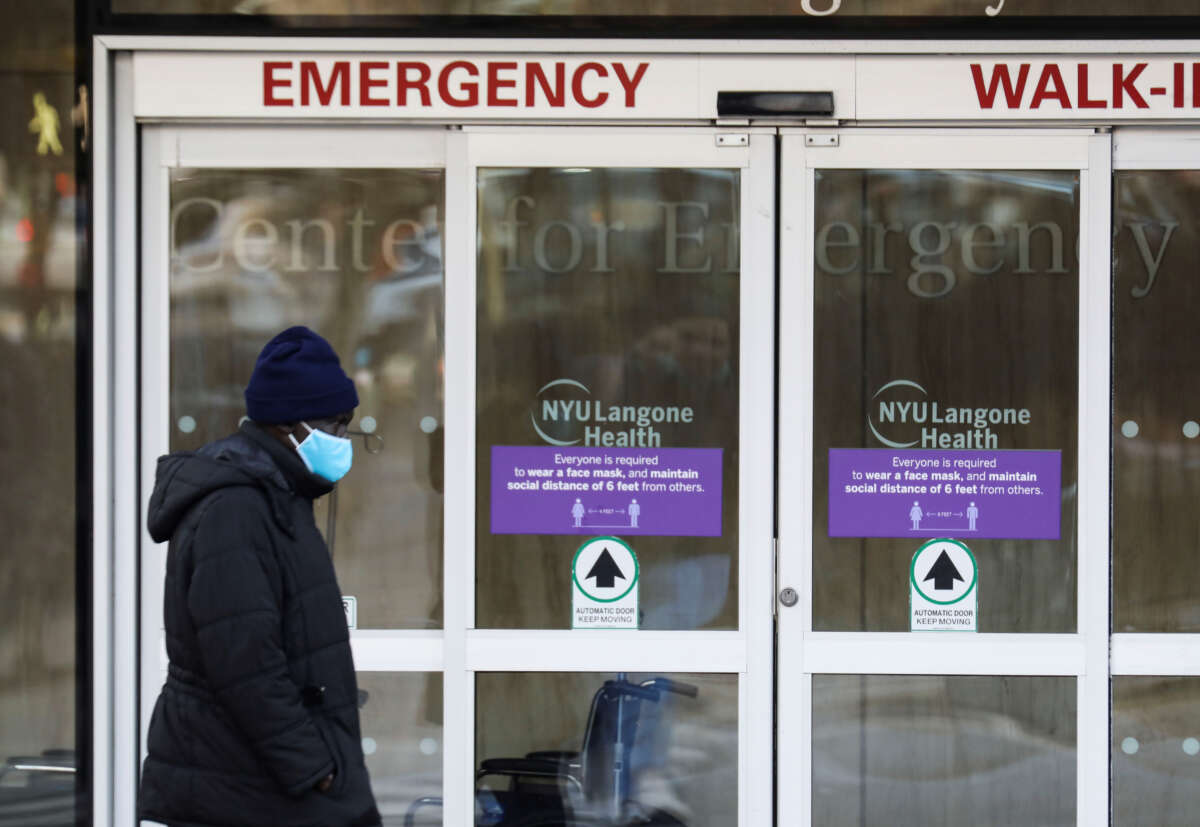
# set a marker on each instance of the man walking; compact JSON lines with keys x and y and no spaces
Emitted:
{"x":257,"y":724}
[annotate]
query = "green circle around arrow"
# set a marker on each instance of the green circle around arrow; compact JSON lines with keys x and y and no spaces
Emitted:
{"x":912,"y":571}
{"x":632,"y":581}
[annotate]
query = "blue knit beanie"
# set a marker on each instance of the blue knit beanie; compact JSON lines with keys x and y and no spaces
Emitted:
{"x":297,"y":376}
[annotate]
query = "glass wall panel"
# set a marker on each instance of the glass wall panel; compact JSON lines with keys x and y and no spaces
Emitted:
{"x":946,"y":327}
{"x":606,"y":749}
{"x":1155,"y":751}
{"x":943,"y":751}
{"x":1156,"y":401}
{"x":357,"y":256}
{"x":607,"y":333}
{"x":44,"y":468}
{"x":401,"y":720}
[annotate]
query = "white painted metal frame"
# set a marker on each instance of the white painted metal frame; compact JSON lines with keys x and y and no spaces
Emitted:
{"x":115,"y":514}
{"x":458,"y":719}
{"x":1156,"y":654}
{"x":106,"y":758}
{"x":748,"y":651}
{"x":103,"y":357}
{"x":803,"y":652}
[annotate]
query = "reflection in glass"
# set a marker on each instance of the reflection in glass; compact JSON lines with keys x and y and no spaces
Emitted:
{"x":45,"y":424}
{"x":624,"y":282}
{"x":1156,"y":401}
{"x":402,"y":741}
{"x":357,"y":256}
{"x":960,"y":289}
{"x":606,"y":749}
{"x":943,"y":751}
{"x":1156,"y":751}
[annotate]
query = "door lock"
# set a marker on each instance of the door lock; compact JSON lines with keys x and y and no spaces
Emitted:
{"x":788,"y":597}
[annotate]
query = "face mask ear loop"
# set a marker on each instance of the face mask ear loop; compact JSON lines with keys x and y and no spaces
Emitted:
{"x":292,"y":436}
{"x":303,"y":458}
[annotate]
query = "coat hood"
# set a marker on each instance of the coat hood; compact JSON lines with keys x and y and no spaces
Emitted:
{"x":247,"y":458}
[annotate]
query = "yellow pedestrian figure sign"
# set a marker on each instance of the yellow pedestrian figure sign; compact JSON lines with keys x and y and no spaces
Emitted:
{"x":45,"y":125}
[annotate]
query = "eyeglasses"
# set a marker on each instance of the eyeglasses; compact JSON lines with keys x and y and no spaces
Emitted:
{"x":373,"y":443}
{"x":340,"y":426}
{"x":332,"y":425}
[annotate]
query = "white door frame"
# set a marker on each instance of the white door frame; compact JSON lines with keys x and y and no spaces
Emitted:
{"x":803,"y":652}
{"x":164,"y":148}
{"x":459,"y":649}
{"x":746,"y":652}
{"x":242,"y":147}
{"x":1156,"y":654}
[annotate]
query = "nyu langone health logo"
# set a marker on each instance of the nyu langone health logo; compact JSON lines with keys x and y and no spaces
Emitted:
{"x":564,"y":413}
{"x":909,"y":418}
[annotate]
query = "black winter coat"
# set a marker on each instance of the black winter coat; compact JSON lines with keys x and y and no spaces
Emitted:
{"x":260,"y":702}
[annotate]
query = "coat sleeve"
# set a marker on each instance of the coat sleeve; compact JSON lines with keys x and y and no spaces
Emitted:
{"x":234,"y":602}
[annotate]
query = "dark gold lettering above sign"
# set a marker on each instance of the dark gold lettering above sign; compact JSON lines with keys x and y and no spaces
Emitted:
{"x":335,"y":11}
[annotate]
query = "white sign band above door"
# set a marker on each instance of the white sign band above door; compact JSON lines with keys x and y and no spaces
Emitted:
{"x":449,"y":87}
{"x":622,"y":87}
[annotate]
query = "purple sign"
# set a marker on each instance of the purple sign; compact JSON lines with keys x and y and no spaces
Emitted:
{"x":672,"y":492}
{"x":897,"y":493}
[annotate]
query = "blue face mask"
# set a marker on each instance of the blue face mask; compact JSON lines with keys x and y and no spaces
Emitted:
{"x":325,"y":455}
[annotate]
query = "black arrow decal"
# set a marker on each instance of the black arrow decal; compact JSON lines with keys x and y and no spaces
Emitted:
{"x":605,"y":570}
{"x":943,"y":573}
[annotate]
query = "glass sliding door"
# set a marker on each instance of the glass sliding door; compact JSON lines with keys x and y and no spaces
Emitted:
{"x":1155,"y":411}
{"x":248,"y":232}
{"x":550,"y":344}
{"x":937,"y":524}
{"x":618,"y":414}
